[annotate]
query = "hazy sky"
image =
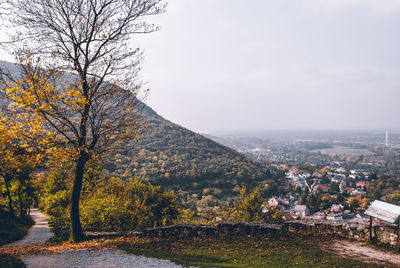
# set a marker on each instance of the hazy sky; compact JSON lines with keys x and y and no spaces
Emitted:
{"x":220,"y":65}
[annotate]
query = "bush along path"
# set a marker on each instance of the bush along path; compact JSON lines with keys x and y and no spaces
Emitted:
{"x":34,"y":253}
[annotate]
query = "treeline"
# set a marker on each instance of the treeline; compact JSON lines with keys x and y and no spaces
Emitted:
{"x":385,"y":188}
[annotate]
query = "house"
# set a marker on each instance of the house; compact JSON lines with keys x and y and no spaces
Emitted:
{"x":358,"y":192}
{"x":300,"y":211}
{"x":278,"y":202}
{"x":354,"y":177}
{"x":337,"y":208}
{"x":339,"y":178}
{"x":351,"y":191}
{"x":273,"y":202}
{"x":361,"y":185}
{"x":290,"y":175}
{"x":319,"y":215}
{"x":317,"y":175}
{"x":320,"y":187}
{"x":341,"y":170}
{"x":358,"y":171}
{"x":316,"y":181}
{"x":334,"y":217}
{"x":283,"y":167}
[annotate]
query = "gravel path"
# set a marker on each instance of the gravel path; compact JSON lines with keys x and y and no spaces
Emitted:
{"x":95,"y":259}
{"x":38,"y":233}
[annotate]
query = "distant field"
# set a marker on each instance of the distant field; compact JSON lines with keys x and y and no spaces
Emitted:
{"x":337,"y":150}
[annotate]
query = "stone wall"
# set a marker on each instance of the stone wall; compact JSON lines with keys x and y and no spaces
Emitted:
{"x":228,"y":228}
{"x":382,"y":233}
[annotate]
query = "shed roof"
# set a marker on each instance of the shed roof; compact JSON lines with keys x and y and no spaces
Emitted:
{"x":384,"y":211}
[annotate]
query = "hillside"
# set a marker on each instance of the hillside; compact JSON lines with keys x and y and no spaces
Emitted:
{"x":170,"y":155}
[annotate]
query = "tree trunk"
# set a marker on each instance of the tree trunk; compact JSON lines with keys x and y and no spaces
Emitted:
{"x":10,"y":207}
{"x":21,"y":206}
{"x":77,"y":234}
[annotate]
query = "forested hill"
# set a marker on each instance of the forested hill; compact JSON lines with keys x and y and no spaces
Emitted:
{"x":170,"y":155}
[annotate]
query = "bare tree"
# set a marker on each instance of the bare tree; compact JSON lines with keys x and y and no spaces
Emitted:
{"x":75,"y":90}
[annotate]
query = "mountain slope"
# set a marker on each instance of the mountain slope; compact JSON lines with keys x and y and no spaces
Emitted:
{"x":170,"y":155}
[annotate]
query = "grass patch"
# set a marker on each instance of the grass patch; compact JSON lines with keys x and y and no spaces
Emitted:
{"x":244,"y":251}
{"x":12,"y":228}
{"x":9,"y":261}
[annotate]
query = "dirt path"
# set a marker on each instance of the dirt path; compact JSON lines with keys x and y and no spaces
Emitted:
{"x":38,"y":233}
{"x":364,"y":253}
{"x":95,"y":259}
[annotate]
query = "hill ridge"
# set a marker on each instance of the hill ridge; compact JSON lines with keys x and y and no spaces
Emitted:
{"x":173,"y":156}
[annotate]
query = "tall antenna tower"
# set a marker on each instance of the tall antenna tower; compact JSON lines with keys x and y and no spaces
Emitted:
{"x":387,"y":139}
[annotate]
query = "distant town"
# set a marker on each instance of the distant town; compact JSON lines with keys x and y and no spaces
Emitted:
{"x":328,"y":175}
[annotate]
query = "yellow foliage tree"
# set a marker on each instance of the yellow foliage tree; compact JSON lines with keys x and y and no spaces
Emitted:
{"x":17,"y":161}
{"x":248,"y":207}
{"x":354,"y":202}
{"x":71,"y":103}
{"x":364,"y":203}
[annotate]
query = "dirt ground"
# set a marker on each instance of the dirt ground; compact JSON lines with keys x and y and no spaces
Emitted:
{"x":362,"y":252}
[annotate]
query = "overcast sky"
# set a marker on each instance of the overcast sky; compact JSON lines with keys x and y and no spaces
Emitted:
{"x":228,"y":65}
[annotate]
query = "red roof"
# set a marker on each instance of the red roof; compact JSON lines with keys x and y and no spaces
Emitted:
{"x":322,"y":187}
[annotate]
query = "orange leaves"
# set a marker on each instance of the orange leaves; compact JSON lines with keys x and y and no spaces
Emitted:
{"x":16,"y":154}
{"x":62,"y":115}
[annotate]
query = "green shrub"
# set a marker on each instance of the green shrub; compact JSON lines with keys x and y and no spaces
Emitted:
{"x":248,"y":207}
{"x":273,"y":215}
{"x":60,"y":227}
{"x":116,"y":205}
{"x":127,"y":206}
{"x":9,"y":261}
{"x":56,"y":204}
{"x":12,"y":228}
{"x":106,"y":214}
{"x":54,"y":192}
